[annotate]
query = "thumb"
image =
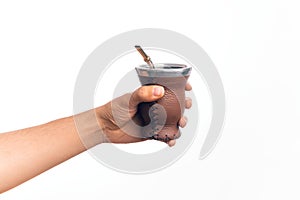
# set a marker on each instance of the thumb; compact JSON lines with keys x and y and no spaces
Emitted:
{"x":146,"y":94}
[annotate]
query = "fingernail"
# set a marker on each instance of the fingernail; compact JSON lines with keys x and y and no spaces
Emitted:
{"x":157,"y":91}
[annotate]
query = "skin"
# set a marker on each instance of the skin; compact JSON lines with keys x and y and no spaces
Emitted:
{"x":29,"y":152}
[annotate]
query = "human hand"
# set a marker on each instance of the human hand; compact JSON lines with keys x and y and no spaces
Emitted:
{"x":116,"y":117}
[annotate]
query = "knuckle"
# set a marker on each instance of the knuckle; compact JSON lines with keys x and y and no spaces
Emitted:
{"x":142,"y":92}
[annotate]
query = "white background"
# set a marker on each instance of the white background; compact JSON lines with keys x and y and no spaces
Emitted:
{"x":255,"y":46}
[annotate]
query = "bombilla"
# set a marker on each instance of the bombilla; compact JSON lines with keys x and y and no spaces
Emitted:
{"x":147,"y":59}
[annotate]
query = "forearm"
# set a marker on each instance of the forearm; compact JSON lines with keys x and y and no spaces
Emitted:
{"x":29,"y":152}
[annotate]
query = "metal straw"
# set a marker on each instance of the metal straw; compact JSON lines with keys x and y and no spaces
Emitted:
{"x":147,"y":59}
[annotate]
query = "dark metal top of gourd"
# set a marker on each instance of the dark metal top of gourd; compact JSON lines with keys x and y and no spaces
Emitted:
{"x":164,"y":70}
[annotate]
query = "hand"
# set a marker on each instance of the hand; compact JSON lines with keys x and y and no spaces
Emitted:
{"x":115,"y":116}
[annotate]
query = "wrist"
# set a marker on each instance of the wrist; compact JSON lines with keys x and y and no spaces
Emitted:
{"x":89,"y":128}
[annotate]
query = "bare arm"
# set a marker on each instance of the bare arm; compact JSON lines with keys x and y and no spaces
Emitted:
{"x":27,"y":153}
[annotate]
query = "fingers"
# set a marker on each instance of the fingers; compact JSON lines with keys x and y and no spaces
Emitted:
{"x":171,"y":143}
{"x":188,"y":102}
{"x":188,"y":87}
{"x":146,"y":94}
{"x":182,"y":122}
